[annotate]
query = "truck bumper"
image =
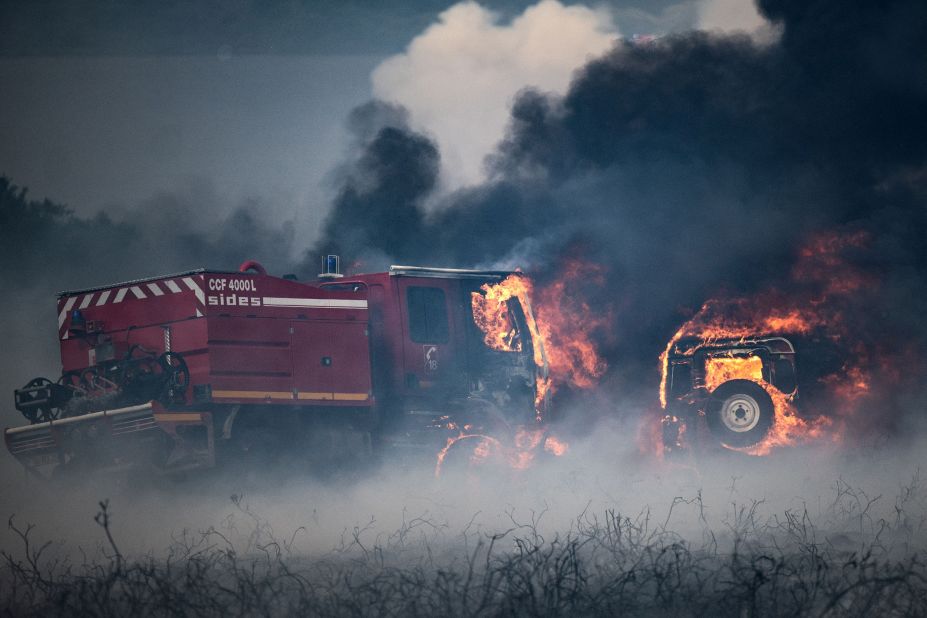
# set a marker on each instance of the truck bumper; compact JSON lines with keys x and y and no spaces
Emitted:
{"x":143,"y":434}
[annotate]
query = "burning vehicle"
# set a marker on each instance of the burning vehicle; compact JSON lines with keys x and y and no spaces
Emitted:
{"x":209,"y":367}
{"x":776,"y":368}
{"x":726,"y":391}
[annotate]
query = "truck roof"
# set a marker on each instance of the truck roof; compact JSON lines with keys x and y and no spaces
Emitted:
{"x":446,"y":273}
{"x":186,"y":273}
{"x":394,"y":271}
{"x":774,"y":343}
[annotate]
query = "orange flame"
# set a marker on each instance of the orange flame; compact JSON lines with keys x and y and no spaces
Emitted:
{"x":480,"y":453}
{"x":525,"y":447}
{"x":721,"y":369}
{"x":555,"y":446}
{"x":787,"y":427}
{"x":822,"y":280}
{"x":492,"y":315}
{"x":558,"y":322}
{"x":566,"y":321}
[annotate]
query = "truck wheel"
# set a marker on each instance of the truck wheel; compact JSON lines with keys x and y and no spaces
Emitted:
{"x":469,"y":457}
{"x":740,"y":413}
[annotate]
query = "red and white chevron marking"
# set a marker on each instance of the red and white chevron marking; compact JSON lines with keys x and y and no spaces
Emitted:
{"x":141,"y":291}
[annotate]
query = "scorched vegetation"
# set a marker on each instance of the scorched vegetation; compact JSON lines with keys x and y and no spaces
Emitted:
{"x":859,"y":555}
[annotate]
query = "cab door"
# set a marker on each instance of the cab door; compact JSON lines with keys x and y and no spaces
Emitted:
{"x":430,"y":338}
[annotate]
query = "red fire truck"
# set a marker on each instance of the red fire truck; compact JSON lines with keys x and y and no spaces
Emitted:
{"x":203,"y":367}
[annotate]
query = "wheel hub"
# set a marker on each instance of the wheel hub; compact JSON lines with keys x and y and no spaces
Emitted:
{"x":740,"y":413}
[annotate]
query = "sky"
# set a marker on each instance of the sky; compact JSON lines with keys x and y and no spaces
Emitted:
{"x":107,"y":106}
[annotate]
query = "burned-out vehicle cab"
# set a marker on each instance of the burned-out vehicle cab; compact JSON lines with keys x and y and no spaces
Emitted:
{"x":725,"y":392}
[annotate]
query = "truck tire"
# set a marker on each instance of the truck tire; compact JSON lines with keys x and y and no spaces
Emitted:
{"x":471,"y":457}
{"x":740,"y":413}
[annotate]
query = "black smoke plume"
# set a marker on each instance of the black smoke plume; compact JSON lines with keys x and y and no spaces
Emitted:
{"x":693,"y":166}
{"x":378,"y":210}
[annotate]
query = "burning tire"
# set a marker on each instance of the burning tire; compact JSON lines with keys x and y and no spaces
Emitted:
{"x":740,"y":413}
{"x":470,"y":456}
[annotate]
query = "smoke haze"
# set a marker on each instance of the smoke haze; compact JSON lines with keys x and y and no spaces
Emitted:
{"x":691,"y":166}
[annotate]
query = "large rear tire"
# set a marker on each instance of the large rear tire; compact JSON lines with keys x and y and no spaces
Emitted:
{"x":740,"y":413}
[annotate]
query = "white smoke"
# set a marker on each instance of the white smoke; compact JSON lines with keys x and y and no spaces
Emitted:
{"x":458,"y":78}
{"x":736,"y":16}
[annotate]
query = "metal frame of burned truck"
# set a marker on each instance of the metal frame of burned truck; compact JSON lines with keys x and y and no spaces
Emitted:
{"x":205,"y":367}
{"x":737,"y":413}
